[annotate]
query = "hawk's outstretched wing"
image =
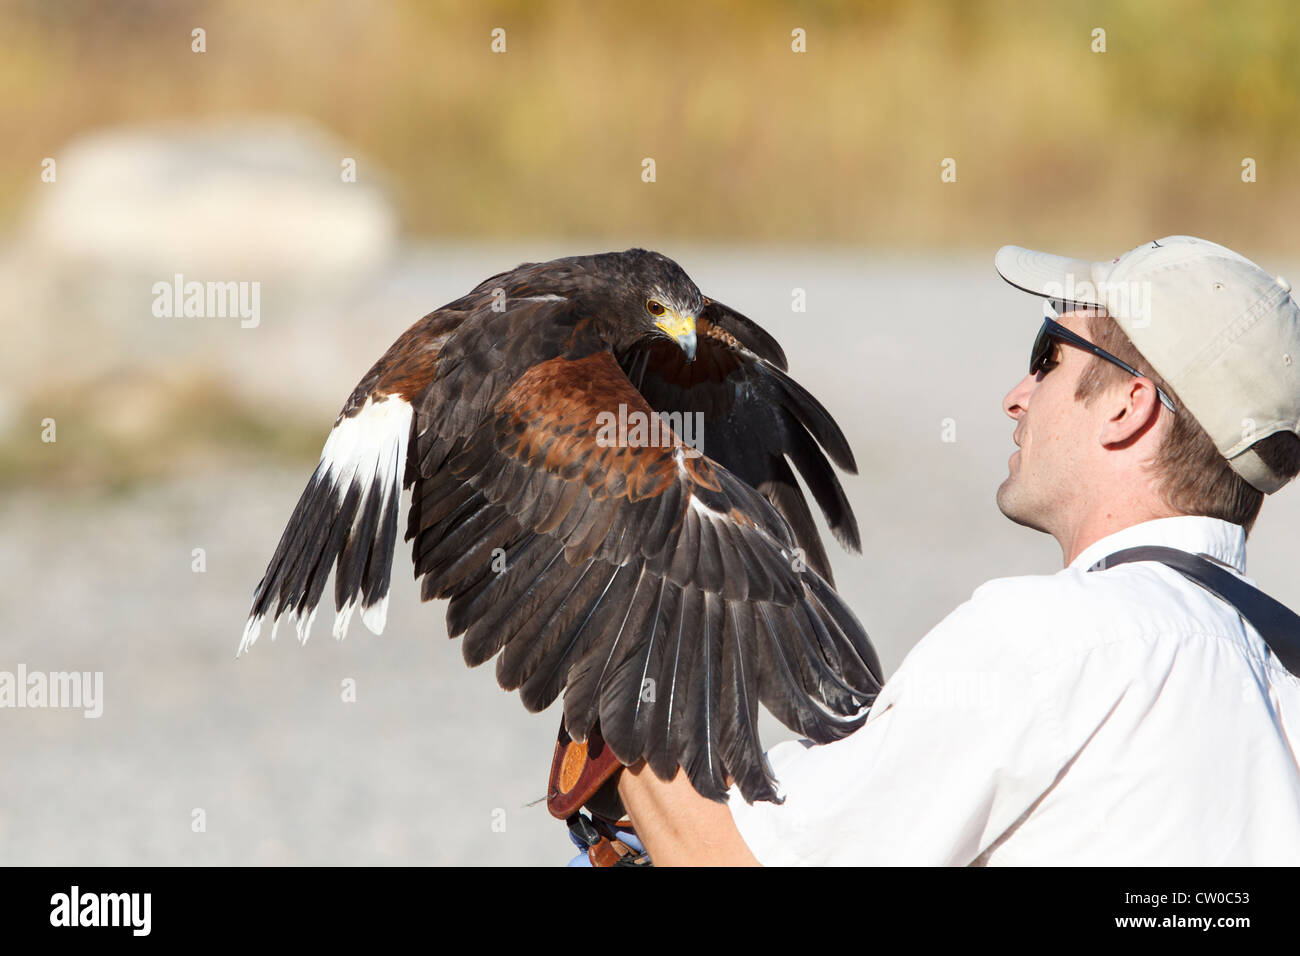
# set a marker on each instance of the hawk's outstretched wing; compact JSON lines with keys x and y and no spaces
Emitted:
{"x":661,"y":592}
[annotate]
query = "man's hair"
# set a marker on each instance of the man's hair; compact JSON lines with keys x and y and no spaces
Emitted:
{"x":1195,"y":479}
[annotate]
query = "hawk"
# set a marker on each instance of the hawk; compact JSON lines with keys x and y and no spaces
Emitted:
{"x":589,"y":559}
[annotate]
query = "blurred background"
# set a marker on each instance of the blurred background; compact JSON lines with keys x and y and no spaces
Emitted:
{"x":366,"y":163}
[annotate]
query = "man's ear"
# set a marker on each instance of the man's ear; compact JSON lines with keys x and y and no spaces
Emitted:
{"x":1131,"y":410}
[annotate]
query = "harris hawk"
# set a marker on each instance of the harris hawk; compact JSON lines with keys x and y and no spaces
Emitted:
{"x":589,"y":561}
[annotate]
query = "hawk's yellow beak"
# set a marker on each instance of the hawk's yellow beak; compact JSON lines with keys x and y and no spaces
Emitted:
{"x":681,"y":329}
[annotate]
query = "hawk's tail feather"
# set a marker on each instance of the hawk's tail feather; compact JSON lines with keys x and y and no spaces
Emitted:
{"x":346,"y":517}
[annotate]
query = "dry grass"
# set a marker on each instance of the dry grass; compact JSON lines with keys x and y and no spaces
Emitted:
{"x":119,"y":430}
{"x":754,"y":142}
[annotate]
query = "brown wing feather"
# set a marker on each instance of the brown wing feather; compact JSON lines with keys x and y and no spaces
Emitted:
{"x":603,"y":544}
{"x":757,"y":421}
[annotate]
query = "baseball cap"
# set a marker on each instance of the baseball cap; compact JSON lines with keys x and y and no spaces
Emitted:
{"x":1219,"y":329}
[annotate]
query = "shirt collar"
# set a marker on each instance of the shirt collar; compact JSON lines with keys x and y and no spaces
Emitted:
{"x":1195,"y":533}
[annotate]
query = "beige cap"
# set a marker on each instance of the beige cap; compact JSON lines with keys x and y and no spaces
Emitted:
{"x":1219,"y":329}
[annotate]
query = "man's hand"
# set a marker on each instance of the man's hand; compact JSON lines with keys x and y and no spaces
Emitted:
{"x":677,"y":825}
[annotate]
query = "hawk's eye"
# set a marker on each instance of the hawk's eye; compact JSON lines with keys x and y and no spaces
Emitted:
{"x":654,"y":308}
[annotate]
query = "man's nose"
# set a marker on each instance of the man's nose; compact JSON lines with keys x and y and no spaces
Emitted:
{"x":1016,"y":402}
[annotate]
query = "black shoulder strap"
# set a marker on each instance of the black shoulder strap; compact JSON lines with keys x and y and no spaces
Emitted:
{"x":1277,"y":624}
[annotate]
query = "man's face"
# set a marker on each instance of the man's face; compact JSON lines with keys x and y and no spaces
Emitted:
{"x":1051,"y":469}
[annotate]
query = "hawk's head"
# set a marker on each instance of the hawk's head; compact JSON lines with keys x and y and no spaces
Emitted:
{"x":653,"y":297}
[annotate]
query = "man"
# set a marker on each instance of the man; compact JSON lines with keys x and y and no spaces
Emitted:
{"x":1121,"y":715}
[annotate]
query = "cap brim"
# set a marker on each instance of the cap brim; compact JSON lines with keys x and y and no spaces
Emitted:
{"x":1049,"y":276}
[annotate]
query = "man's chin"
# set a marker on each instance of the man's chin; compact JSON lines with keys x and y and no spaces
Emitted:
{"x":1012,"y":504}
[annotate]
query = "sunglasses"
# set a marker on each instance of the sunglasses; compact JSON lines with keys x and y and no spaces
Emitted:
{"x":1042,"y":352}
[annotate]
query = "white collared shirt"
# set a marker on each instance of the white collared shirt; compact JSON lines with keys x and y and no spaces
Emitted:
{"x":1123,"y":716}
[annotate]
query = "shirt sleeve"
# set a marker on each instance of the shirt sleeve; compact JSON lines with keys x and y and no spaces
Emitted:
{"x":961,"y":742}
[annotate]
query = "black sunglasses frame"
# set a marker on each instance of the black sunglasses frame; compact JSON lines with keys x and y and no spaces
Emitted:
{"x":1042,"y":350}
